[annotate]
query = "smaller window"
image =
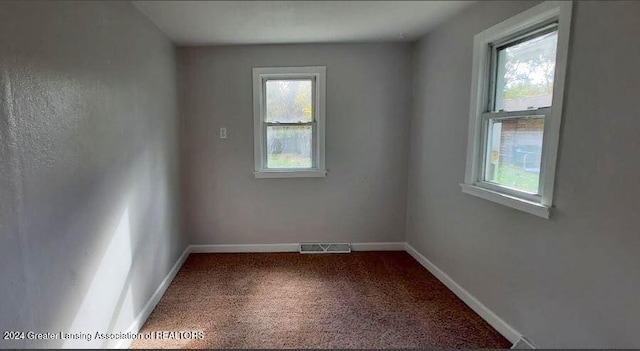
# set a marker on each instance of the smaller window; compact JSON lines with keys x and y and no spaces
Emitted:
{"x":289,"y":109}
{"x":516,"y":107}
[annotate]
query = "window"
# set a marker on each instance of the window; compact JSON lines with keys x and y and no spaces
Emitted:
{"x":289,"y":110}
{"x":516,"y":107}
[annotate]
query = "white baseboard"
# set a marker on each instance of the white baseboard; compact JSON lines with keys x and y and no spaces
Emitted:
{"x":385,"y":246}
{"x":290,"y":247}
{"x":496,"y":322}
{"x":141,"y":318}
{"x":240,"y":248}
{"x":523,"y":344}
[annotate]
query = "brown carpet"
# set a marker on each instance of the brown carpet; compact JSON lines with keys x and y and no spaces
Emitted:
{"x":288,"y":300}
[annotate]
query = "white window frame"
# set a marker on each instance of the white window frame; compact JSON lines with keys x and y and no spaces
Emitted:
{"x":317,"y":74}
{"x":484,"y":42}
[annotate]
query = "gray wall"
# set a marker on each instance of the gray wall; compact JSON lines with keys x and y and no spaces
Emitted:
{"x":363,"y":198}
{"x":573,"y":280}
{"x":89,"y":181}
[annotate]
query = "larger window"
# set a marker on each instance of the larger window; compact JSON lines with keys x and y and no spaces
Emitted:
{"x":289,"y":110}
{"x":516,"y":107}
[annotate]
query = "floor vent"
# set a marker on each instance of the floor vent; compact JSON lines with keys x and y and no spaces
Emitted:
{"x":314,"y":248}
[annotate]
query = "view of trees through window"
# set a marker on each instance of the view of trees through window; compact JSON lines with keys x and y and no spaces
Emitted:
{"x":525,"y":73}
{"x":289,"y":101}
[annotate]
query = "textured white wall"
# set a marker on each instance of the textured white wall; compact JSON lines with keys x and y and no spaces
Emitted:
{"x":571,"y":281}
{"x":362,"y":199}
{"x":89,"y":179}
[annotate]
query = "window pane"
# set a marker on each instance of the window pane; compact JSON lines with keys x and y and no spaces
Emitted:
{"x":514,"y":151}
{"x":289,"y":147}
{"x":289,"y":101}
{"x":524,"y":77}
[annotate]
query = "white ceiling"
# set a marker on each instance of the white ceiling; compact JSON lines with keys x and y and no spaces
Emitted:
{"x":266,"y":22}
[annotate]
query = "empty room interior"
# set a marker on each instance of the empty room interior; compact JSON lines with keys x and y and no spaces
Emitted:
{"x":320,"y":174}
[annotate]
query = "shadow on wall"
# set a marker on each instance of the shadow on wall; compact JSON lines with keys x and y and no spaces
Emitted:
{"x":96,"y":267}
{"x":110,"y":281}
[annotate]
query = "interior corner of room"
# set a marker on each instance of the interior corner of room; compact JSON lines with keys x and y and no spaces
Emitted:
{"x":472,"y":166}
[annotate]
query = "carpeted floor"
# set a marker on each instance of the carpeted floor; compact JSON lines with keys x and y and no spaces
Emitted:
{"x":288,"y":300}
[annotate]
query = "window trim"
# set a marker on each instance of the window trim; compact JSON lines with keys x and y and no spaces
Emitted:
{"x":318,"y":76}
{"x":531,"y":19}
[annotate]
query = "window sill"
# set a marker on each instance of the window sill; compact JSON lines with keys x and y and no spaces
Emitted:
{"x":290,"y":174}
{"x":507,"y":200}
